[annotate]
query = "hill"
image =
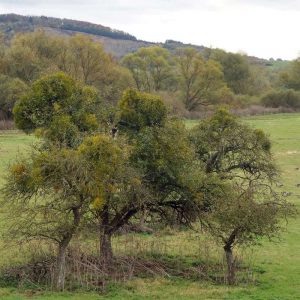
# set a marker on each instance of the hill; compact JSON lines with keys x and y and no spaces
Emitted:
{"x":116,"y":42}
{"x":12,"y":23}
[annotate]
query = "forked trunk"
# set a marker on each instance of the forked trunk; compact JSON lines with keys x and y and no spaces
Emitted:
{"x":230,"y":265}
{"x":108,"y":227}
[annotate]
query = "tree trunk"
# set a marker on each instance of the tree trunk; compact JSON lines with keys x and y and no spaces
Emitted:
{"x":230,"y":265}
{"x":108,"y":227}
{"x":61,"y":265}
{"x":105,"y":248}
{"x":144,"y":214}
{"x":106,"y":252}
{"x":62,"y":249}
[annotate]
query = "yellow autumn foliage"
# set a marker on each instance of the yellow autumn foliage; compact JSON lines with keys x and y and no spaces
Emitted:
{"x":98,"y":203}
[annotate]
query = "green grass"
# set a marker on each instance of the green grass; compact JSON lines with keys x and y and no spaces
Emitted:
{"x":12,"y":143}
{"x":277,"y":265}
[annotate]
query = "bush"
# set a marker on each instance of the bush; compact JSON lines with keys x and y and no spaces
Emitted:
{"x":284,"y":98}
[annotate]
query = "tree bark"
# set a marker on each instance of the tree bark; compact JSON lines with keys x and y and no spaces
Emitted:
{"x":106,"y":252}
{"x":62,"y":249}
{"x":105,"y":246}
{"x":109,"y":227}
{"x":61,"y":265}
{"x":230,"y":265}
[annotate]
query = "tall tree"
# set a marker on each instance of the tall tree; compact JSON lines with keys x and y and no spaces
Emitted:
{"x":12,"y":90}
{"x":236,"y":70}
{"x":201,"y":80}
{"x":150,"y":68}
{"x":170,"y":171}
{"x":290,"y":77}
{"x":31,"y":55}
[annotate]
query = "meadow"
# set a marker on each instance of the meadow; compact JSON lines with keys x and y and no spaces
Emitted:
{"x":274,"y":267}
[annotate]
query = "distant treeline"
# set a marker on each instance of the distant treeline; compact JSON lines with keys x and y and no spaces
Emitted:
{"x":12,"y":23}
{"x":191,"y":81}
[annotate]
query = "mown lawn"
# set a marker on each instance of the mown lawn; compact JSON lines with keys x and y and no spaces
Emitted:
{"x":276,"y":265}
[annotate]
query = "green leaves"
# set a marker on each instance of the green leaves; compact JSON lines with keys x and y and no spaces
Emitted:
{"x":139,"y":110}
{"x":12,"y":90}
{"x":150,"y":68}
{"x":231,"y":148}
{"x":202,"y":82}
{"x":60,"y":109}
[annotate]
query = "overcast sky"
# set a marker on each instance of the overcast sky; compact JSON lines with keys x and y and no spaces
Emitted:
{"x":264,"y":28}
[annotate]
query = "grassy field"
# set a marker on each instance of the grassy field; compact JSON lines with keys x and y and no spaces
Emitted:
{"x":276,"y":265}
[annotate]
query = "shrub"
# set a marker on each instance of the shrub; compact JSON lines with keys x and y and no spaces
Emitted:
{"x":283,"y":98}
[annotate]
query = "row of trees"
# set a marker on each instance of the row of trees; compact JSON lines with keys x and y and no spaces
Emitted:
{"x":185,"y":78}
{"x":29,"y":56}
{"x":196,"y":79}
{"x":82,"y":175}
{"x":12,"y":23}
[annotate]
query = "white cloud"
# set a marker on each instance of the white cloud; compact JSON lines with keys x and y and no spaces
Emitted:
{"x":265,"y":28}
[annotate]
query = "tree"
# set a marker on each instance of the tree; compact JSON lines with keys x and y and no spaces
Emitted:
{"x":201,"y":81}
{"x":235,"y":68}
{"x":50,"y":194}
{"x":117,"y":80}
{"x":150,"y":68}
{"x":247,"y":208}
{"x":243,"y":216}
{"x":32,"y":55}
{"x":36,"y":54}
{"x":2,"y":51}
{"x":136,"y":66}
{"x":120,"y":194}
{"x":12,"y":90}
{"x":63,"y":113}
{"x":290,"y":78}
{"x":87,"y":60}
{"x":169,"y":171}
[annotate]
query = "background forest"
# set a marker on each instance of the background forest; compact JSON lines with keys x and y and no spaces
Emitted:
{"x":190,"y":79}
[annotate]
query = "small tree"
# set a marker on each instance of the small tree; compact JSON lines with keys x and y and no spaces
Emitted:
{"x":243,"y":216}
{"x":56,"y":179}
{"x":247,"y":208}
{"x":45,"y":200}
{"x":56,"y":188}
